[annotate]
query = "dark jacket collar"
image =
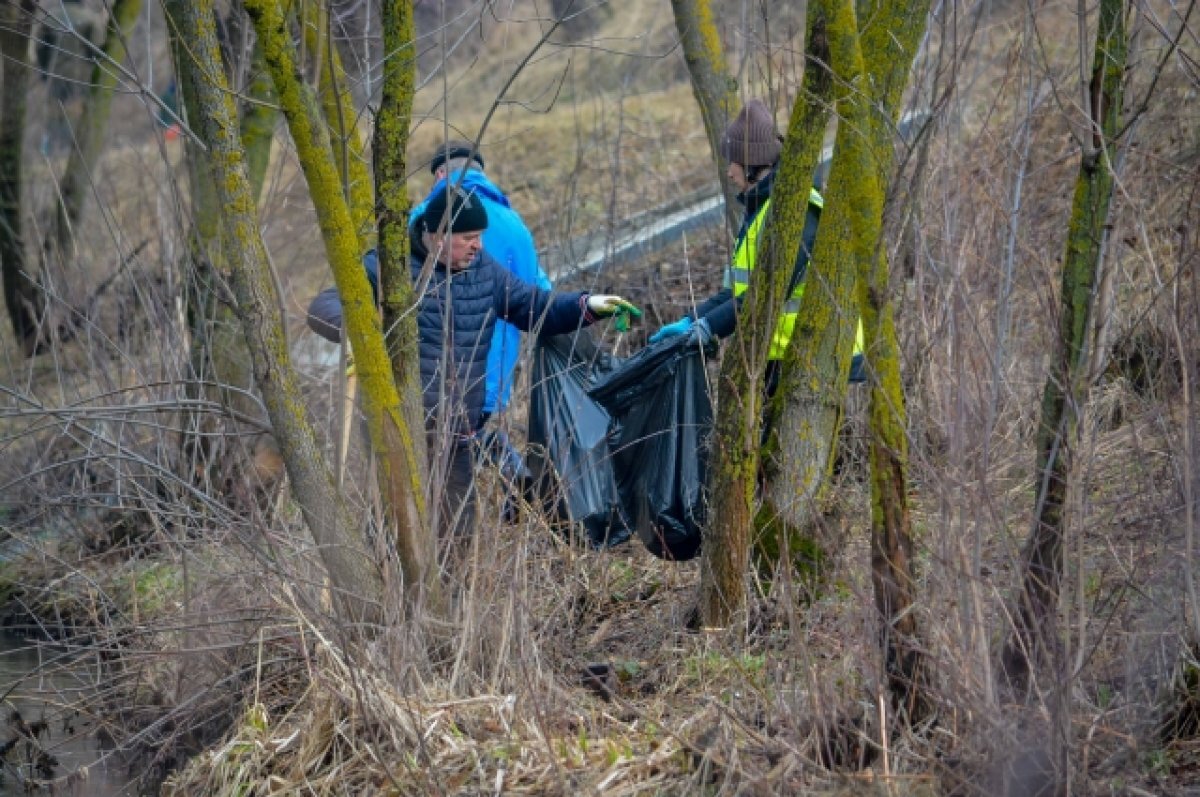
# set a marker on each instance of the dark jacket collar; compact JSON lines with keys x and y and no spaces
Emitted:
{"x":753,"y":198}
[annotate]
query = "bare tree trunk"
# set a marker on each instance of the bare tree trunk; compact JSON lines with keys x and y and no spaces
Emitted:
{"x":23,"y":296}
{"x":714,"y":87}
{"x":221,"y":368}
{"x":90,"y":130}
{"x":394,"y":441}
{"x":355,"y":577}
{"x":737,"y":433}
{"x":395,"y":279}
{"x":776,"y":536}
{"x":1034,"y":636}
{"x":337,"y":101}
{"x":889,"y":43}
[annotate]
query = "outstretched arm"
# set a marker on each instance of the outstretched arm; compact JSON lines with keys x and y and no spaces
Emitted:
{"x":325,"y":310}
{"x":325,"y":315}
{"x":527,"y":306}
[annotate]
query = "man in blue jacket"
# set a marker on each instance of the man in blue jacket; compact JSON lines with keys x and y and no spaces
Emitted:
{"x":506,"y":239}
{"x":466,"y":292}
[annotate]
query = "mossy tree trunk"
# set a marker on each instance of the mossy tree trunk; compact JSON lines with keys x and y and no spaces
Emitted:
{"x":396,"y":443}
{"x":356,"y":580}
{"x":715,"y":88}
{"x":737,"y":436}
{"x":337,"y":101}
{"x":258,"y":123}
{"x":813,"y":385}
{"x":397,"y":292}
{"x":201,"y":266}
{"x":220,"y":361}
{"x":807,"y":410}
{"x":91,"y":128}
{"x":889,"y":41}
{"x":1034,"y":637}
{"x":776,"y":538}
{"x":23,"y":295}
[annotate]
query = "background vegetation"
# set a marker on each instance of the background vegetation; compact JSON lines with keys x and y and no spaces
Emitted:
{"x":180,"y":578}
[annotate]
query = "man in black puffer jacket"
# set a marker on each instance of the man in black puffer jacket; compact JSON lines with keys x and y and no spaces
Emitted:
{"x":466,"y":291}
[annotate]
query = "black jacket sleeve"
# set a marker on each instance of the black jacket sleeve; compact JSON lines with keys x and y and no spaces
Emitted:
{"x":720,"y":310}
{"x":713,"y":302}
{"x":325,"y":315}
{"x":526,"y":306}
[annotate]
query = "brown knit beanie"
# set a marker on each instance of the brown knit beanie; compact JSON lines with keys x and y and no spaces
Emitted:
{"x":750,"y":139}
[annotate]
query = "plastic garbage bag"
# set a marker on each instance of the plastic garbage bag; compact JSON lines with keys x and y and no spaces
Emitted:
{"x":568,"y":453}
{"x":662,"y":417}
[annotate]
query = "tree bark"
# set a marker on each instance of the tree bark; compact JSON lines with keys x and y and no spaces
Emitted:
{"x":395,"y":442}
{"x":221,"y":368}
{"x":355,"y":578}
{"x":777,"y":536}
{"x":812,"y":389}
{"x":714,"y":87}
{"x":91,"y":127}
{"x":889,"y":43}
{"x":397,"y":292}
{"x":337,"y":101}
{"x":258,"y":123}
{"x":737,"y":432}
{"x":23,"y":295}
{"x":1034,"y":637}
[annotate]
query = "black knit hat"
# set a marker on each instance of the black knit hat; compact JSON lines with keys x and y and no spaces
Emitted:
{"x":452,"y":150}
{"x":467,"y":213}
{"x":750,"y":139}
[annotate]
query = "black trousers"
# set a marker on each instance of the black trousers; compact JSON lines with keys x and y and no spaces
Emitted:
{"x":454,"y":494}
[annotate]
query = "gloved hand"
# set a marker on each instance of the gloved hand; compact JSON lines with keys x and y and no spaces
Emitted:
{"x":680,"y":327}
{"x":604,"y":305}
{"x":701,"y":333}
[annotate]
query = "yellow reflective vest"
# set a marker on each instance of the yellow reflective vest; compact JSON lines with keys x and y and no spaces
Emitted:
{"x":737,"y":277}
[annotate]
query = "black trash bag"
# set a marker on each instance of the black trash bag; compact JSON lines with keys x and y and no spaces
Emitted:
{"x":662,"y":417}
{"x":568,"y":453}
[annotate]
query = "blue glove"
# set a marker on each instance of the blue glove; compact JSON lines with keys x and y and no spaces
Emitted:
{"x":680,"y":327}
{"x":701,"y":333}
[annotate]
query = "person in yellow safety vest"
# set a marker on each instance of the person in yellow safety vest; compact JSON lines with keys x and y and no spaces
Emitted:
{"x":752,"y":147}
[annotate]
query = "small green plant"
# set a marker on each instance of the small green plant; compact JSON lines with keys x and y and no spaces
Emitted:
{"x":709,"y":667}
{"x":1157,"y":762}
{"x":627,"y":670}
{"x":582,"y":740}
{"x":1104,"y":696}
